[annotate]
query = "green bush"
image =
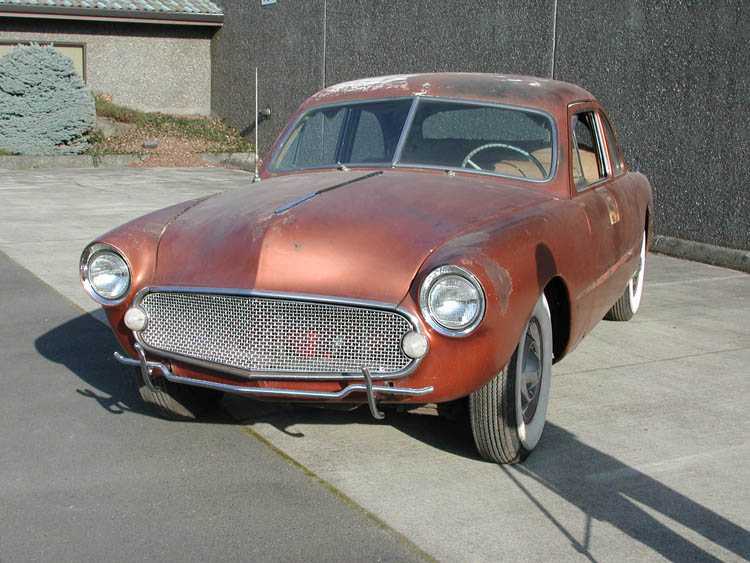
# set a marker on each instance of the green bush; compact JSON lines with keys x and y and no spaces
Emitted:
{"x":45,"y":107}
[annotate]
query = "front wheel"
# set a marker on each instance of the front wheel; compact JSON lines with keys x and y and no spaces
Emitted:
{"x":176,"y":401}
{"x":629,"y":302}
{"x":509,"y":412}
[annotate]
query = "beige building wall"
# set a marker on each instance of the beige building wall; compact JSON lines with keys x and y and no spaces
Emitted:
{"x":150,"y":67}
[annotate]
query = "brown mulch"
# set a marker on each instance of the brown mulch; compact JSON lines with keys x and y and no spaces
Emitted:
{"x":171,"y":152}
{"x":173,"y":149}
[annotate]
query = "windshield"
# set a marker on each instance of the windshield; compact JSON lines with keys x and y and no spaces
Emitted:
{"x":442,"y":134}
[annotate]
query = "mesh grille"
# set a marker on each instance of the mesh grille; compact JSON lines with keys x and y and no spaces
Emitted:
{"x":275,"y":335}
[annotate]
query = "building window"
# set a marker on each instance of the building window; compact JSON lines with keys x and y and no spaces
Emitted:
{"x":76,"y":51}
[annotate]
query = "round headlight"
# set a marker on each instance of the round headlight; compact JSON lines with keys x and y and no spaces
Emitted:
{"x":104,"y":273}
{"x":452,"y":300}
{"x":109,"y":275}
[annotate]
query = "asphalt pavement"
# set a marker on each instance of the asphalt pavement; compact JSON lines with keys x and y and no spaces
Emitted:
{"x":645,"y":456}
{"x":88,"y":474}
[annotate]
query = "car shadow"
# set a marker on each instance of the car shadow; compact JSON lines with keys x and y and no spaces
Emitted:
{"x":85,"y":347}
{"x":602,"y":487}
{"x":452,"y":436}
{"x":608,"y":490}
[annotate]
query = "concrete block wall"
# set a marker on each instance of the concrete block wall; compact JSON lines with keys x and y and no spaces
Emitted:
{"x":673,"y":76}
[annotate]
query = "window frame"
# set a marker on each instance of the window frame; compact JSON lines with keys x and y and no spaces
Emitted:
{"x":600,"y":148}
{"x":605,"y":121}
{"x":76,"y":44}
{"x":344,"y":132}
{"x":408,"y":122}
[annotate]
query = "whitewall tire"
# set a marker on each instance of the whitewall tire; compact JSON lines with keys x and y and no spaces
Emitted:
{"x":508,"y":414}
{"x":630,"y":301}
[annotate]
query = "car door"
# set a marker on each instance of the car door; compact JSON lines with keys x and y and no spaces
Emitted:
{"x":593,"y":188}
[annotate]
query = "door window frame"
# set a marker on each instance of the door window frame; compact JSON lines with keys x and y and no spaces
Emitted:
{"x":601,"y":148}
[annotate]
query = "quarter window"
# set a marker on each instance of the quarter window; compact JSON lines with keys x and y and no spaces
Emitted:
{"x":615,"y":157}
{"x":588,"y":163}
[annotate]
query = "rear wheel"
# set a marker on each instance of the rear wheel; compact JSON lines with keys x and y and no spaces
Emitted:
{"x":175,"y":401}
{"x":508,"y":414}
{"x":629,"y":302}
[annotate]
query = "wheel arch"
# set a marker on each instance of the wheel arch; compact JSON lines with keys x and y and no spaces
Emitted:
{"x":558,"y":300}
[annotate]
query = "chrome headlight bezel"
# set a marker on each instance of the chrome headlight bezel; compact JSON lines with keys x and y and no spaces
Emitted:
{"x":90,"y":253}
{"x":439,"y":275}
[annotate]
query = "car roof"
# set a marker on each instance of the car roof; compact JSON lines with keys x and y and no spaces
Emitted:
{"x":528,"y":91}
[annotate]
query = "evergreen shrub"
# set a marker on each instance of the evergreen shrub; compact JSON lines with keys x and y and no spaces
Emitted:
{"x":45,"y":108}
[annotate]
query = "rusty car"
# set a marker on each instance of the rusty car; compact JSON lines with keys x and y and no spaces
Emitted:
{"x":408,"y":240}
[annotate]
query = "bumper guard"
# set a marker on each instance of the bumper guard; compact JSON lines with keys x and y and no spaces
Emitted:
{"x":149,"y":367}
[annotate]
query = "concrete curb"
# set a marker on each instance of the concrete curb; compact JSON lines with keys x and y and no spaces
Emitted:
{"x":241,"y":160}
{"x":701,"y":252}
{"x":67,"y":161}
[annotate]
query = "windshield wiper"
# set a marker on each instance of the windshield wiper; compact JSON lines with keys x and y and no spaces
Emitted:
{"x":324,"y":190}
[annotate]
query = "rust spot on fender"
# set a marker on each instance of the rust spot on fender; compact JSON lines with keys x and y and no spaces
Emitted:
{"x":259,"y":229}
{"x":468,"y":247}
{"x":499,"y":276}
{"x":467,"y":241}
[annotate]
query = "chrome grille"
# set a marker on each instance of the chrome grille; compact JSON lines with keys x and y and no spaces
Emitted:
{"x":275,"y":335}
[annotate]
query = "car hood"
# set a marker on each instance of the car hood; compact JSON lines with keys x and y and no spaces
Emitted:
{"x":365,"y":239}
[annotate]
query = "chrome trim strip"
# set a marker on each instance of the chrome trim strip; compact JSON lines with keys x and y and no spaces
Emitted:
{"x":324,"y":190}
{"x":602,"y":148}
{"x":470,"y":171}
{"x":291,"y":376}
{"x":404,"y":131}
{"x":436,"y":275}
{"x":83,"y":271}
{"x":293,"y":203}
{"x":325,"y":299}
{"x":282,"y":393}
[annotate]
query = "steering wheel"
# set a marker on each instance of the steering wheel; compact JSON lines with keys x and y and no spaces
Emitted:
{"x":531,"y":157}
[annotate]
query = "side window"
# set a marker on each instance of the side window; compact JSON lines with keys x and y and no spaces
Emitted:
{"x":314,"y":141}
{"x":353,"y":134}
{"x":588,"y":164}
{"x":368,"y":144}
{"x":615,"y":157}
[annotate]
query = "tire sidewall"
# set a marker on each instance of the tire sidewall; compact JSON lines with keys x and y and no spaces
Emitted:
{"x":635,"y":291}
{"x":530,"y":433}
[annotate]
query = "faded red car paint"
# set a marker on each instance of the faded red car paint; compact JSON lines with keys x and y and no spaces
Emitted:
{"x":377,"y":239}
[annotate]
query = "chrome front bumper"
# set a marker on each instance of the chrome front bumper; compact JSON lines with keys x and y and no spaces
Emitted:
{"x":148,"y":367}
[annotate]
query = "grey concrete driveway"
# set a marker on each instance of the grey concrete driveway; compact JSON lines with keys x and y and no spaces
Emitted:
{"x":647,"y":451}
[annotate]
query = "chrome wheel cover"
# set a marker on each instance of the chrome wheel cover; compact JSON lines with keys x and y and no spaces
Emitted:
{"x":531,"y":371}
{"x":533,"y":368}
